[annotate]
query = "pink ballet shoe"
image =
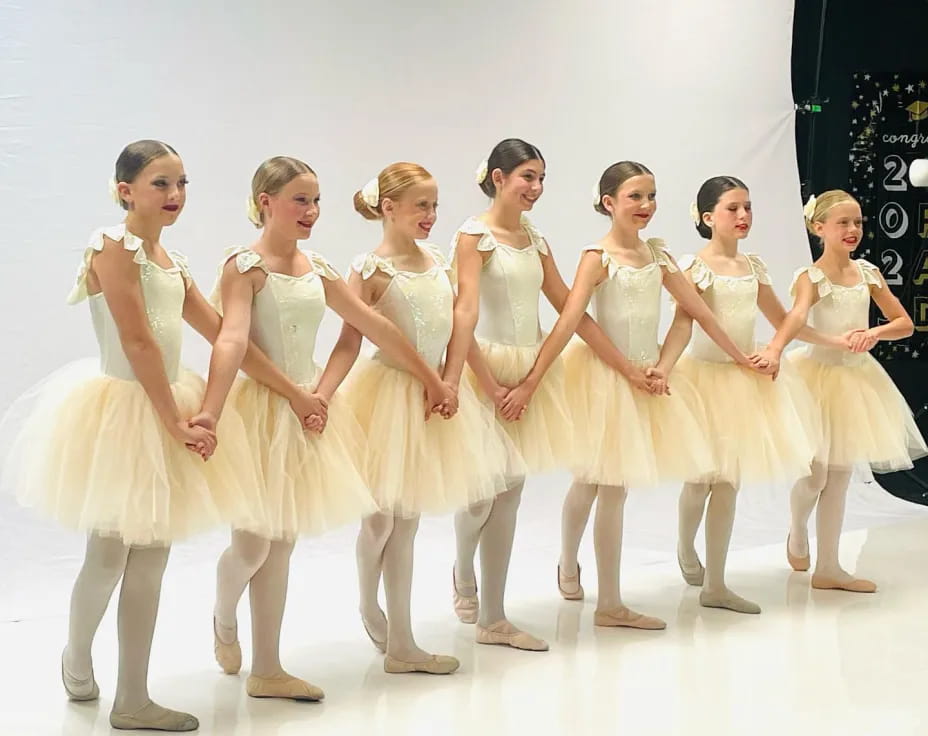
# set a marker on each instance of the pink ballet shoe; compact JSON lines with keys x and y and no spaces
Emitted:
{"x":228,"y":656}
{"x":436,"y":664}
{"x":78,"y":690}
{"x":282,"y":686}
{"x":571,"y":580}
{"x":505,"y":634}
{"x":623,"y":616}
{"x":692,"y":578}
{"x":151,"y":717}
{"x":467,"y":607}
{"x":799,"y":564}
{"x":852,"y":585}
{"x":381,"y":646}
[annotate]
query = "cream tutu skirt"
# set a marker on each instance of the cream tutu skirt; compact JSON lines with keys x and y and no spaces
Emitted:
{"x":416,"y":466}
{"x":760,"y":430}
{"x":90,"y":452}
{"x":544,"y":435}
{"x":864,"y":417}
{"x":624,"y":437}
{"x":309,"y":483}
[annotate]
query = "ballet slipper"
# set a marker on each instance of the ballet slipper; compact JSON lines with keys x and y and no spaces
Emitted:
{"x":436,"y":664}
{"x":78,"y":690}
{"x":695,"y":578}
{"x":381,"y":646}
{"x":852,"y":585}
{"x":571,"y":580}
{"x":283,"y":686}
{"x":467,"y":607}
{"x":153,"y":717}
{"x":505,"y":634}
{"x":799,"y":564}
{"x":623,"y":616}
{"x":729,"y":601}
{"x":228,"y":656}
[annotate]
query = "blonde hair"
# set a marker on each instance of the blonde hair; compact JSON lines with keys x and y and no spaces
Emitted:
{"x":824,"y":202}
{"x":392,"y":182}
{"x":272,"y":176}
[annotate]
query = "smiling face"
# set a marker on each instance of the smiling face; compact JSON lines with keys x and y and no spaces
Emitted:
{"x":521,"y":187}
{"x":292,"y":212}
{"x":414,"y":211}
{"x":842,"y":227}
{"x":634,"y":204}
{"x":158,"y":192}
{"x":732,"y":217}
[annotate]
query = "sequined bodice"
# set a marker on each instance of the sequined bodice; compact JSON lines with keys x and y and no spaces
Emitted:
{"x":286,"y":313}
{"x":733,"y":301}
{"x":163,"y":292}
{"x":421,"y":305}
{"x":627,"y":304}
{"x":510,"y":285}
{"x":840,"y":309}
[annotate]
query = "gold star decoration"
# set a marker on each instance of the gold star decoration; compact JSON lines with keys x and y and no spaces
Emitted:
{"x":855,"y":104}
{"x":896,"y":88}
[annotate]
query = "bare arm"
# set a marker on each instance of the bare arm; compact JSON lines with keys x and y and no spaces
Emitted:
{"x":677,"y":337}
{"x":776,"y":314}
{"x":589,"y":331}
{"x":466,"y":308}
{"x":346,"y":350}
{"x":795,"y":319}
{"x":118,"y":275}
{"x":900,"y":325}
{"x":690,"y":301}
{"x":589,"y":274}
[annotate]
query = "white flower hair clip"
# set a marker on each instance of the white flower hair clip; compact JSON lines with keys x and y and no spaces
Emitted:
{"x":114,"y":191}
{"x":695,"y":215}
{"x":481,"y":174}
{"x":809,"y":210}
{"x":371,"y":192}
{"x":597,"y":197}
{"x":254,"y":214}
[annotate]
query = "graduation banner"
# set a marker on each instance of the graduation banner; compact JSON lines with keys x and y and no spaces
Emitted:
{"x":889,"y":130}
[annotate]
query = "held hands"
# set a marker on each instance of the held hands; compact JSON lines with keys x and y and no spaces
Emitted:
{"x":441,"y":399}
{"x":657,"y":381}
{"x":860,"y":341}
{"x":515,"y":402}
{"x":198,"y":434}
{"x":312,"y":409}
{"x":766,"y":362}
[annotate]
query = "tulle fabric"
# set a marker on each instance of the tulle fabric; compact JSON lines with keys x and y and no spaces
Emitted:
{"x":89,"y":451}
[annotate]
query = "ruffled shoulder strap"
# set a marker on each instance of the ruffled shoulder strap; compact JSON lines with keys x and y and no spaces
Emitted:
{"x":870,"y":273}
{"x":701,"y":274}
{"x":759,"y":268}
{"x":245,"y":259}
{"x":321,"y":266}
{"x":534,"y":235}
{"x":473,"y":226}
{"x":816,"y":276}
{"x":661,"y":255}
{"x":180,"y":260}
{"x":435,"y":252}
{"x":607,"y":261}
{"x":95,"y":244}
{"x":367,"y":263}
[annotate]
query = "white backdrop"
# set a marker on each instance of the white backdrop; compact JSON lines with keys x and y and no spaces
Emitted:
{"x":691,"y":89}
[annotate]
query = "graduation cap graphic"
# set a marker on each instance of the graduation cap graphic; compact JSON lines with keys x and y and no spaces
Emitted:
{"x":918,"y":110}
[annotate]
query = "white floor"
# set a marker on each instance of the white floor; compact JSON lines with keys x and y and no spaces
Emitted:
{"x":812,"y":663}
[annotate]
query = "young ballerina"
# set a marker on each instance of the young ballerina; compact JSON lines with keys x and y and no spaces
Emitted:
{"x":865,"y":419}
{"x":110,"y":454}
{"x":625,"y":434}
{"x":309,"y":483}
{"x":503,"y":265}
{"x":761,"y":430}
{"x":413,"y":466}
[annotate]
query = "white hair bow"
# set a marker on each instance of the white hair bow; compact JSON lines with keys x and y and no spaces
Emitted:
{"x":481,"y":174}
{"x":254,"y":214}
{"x":114,"y":191}
{"x":695,"y":214}
{"x":809,"y":209}
{"x":371,"y":192}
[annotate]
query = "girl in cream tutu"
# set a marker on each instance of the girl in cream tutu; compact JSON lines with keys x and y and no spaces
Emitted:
{"x":413,"y":465}
{"x":112,"y":452}
{"x":308,"y":482}
{"x":629,"y":429}
{"x":864,"y":417}
{"x":761,"y":430}
{"x":502,"y":266}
